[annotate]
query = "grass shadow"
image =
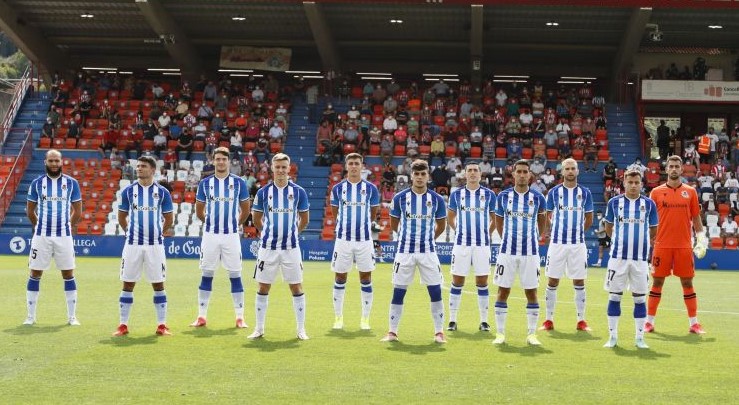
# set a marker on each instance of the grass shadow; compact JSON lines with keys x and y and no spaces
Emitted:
{"x":22,"y":330}
{"x":642,"y":354}
{"x":348,"y":335}
{"x":471,"y":336}
{"x":266,"y":345}
{"x":524,"y":351}
{"x":207,"y":332}
{"x":690,"y":338}
{"x":577,"y":336}
{"x":128,"y":340}
{"x":421,"y":349}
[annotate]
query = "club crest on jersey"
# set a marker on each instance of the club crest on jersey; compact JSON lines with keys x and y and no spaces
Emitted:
{"x":290,"y":197}
{"x":428,"y":203}
{"x":230,"y":186}
{"x":642,"y":208}
{"x":363,"y":192}
{"x":685,"y":194}
{"x":482,"y":197}
{"x":64,"y":186}
{"x":155,"y":195}
{"x":579,"y":197}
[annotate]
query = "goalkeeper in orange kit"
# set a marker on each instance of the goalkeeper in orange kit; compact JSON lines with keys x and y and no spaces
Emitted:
{"x":679,"y":215}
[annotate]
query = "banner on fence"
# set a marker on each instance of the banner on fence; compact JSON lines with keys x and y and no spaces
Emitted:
{"x":249,"y":57}
{"x":312,"y":250}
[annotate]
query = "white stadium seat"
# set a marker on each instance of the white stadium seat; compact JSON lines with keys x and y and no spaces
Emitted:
{"x":186,"y":207}
{"x":185,"y":165}
{"x":110,"y":228}
{"x":180,"y":230}
{"x":193,"y":230}
{"x":183,"y":218}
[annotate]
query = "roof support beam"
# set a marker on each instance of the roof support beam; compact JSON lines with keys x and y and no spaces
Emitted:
{"x":31,"y":42}
{"x":322,"y":35}
{"x":476,"y":28}
{"x":178,"y":45}
{"x":630,"y":40}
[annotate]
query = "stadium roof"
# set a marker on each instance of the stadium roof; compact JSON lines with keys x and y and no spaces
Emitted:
{"x":590,"y":38}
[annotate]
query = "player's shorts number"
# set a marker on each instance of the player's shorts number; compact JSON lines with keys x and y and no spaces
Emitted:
{"x":259,"y":266}
{"x":499,"y":269}
{"x":655,"y":261}
{"x":397,"y":266}
{"x":611,"y":274}
{"x":33,"y":253}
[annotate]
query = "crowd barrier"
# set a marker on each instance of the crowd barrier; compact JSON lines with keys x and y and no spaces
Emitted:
{"x":312,"y":250}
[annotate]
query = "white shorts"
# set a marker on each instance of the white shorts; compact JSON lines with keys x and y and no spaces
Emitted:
{"x":570,"y":260}
{"x":223,"y":249}
{"x":149,"y":259}
{"x":527,"y":268}
{"x":270,"y":262}
{"x":44,"y":248}
{"x":625,"y":275}
{"x":464,"y":257}
{"x":347,"y":253}
{"x":428,"y":267}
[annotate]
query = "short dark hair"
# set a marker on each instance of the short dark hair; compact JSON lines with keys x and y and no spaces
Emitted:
{"x":354,"y":155}
{"x":632,"y":173}
{"x":419,"y":165}
{"x":222,"y":150}
{"x":148,"y":160}
{"x":522,"y":162}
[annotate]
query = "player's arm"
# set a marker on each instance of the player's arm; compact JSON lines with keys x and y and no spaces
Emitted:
{"x":123,"y":220}
{"x":609,"y":229}
{"x":335,"y":212}
{"x":303,"y":216}
{"x":652,"y":234}
{"x":31,"y":212}
{"x":440,"y":227}
{"x":394,"y":222}
{"x":373,"y":212}
{"x":588,"y":220}
{"x":245,"y":207}
{"x":499,"y":224}
{"x":168,"y":221}
{"x":698,"y":225}
{"x":493,"y":222}
{"x":542,"y":222}
{"x":256,"y":216}
{"x":200,"y":210}
{"x":451,"y":216}
{"x":75,"y":215}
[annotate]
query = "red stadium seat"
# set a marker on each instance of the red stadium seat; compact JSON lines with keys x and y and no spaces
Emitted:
{"x":603,"y":155}
{"x":476,"y":152}
{"x":44,"y":143}
{"x":717,"y":243}
{"x":731,"y":243}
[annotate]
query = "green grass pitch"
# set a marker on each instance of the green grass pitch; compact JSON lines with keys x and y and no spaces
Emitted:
{"x":53,"y":363}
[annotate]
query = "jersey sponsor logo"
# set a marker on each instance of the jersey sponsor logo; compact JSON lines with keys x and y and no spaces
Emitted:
{"x":408,"y":215}
{"x":47,"y":198}
{"x":354,"y":203}
{"x":136,"y":207}
{"x":281,"y":210}
{"x":632,"y":220}
{"x":519,"y":214}
{"x":84,"y":243}
{"x":665,"y":204}
{"x":220,"y":199}
{"x":569,"y":208}
{"x":464,"y":208}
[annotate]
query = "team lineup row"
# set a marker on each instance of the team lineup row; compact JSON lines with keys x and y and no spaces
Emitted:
{"x":658,"y":228}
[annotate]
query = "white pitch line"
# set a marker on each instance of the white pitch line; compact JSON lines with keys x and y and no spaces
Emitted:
{"x":603,"y":306}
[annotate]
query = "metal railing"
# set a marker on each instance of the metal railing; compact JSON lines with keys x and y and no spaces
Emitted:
{"x":21,"y":89}
{"x":11,"y":182}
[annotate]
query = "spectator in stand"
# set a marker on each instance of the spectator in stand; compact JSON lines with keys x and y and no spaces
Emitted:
{"x":236,"y":145}
{"x":731,"y":183}
{"x":182,"y":109}
{"x":637,"y":165}
{"x":276,"y":133}
{"x":663,"y":140}
{"x":485,"y":167}
{"x":719,"y":169}
{"x":387,"y":147}
{"x":705,"y":182}
{"x":261,"y":151}
{"x":375,"y":136}
{"x":388,"y":175}
{"x":210,"y":91}
{"x":585,"y":109}
{"x":250,"y":162}
{"x":189,"y":120}
{"x":514,"y":149}
{"x":389,"y":125}
{"x":691,"y":156}
{"x":74,"y":132}
{"x":160,"y":143}
{"x":170,"y":159}
{"x":464,"y":149}
{"x":513,"y":127}
{"x":133,"y":142}
{"x":323,"y":133}
{"x":351,"y":135}
{"x":390,"y":105}
{"x":235,"y":166}
{"x":728,"y":227}
{"x":411,"y":146}
{"x":49,"y":129}
{"x":185,"y":144}
{"x":440,"y":176}
{"x":551,"y":139}
{"x":526,"y":118}
{"x":496,"y":178}
{"x":116,"y":159}
{"x":208,"y":168}
{"x":437,"y":149}
{"x":440,"y":88}
{"x":548,"y":178}
{"x":539,"y":186}
{"x":591,"y":156}
{"x":205,"y":112}
{"x":164,"y":121}
{"x":192,"y":180}
{"x":501,"y":98}
{"x":329,"y":114}
{"x":488,"y":147}
{"x":127,"y":171}
{"x":537,"y":167}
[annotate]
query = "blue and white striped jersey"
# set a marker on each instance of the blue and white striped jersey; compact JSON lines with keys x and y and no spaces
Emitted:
{"x":54,"y":198}
{"x":280,"y":207}
{"x":568,"y":207}
{"x":146,"y":206}
{"x":631,"y":221}
{"x":418,"y":214}
{"x":473,"y":209}
{"x":519,"y":212}
{"x":222,"y":199}
{"x":355,"y":202}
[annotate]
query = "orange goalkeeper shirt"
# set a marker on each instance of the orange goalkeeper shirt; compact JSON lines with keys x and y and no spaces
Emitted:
{"x":676,"y":208}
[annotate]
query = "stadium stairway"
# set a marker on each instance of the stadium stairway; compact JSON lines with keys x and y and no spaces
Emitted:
{"x":623,"y":136}
{"x":32,"y":114}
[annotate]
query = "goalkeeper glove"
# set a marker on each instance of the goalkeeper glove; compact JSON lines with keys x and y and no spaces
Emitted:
{"x":701,"y":245}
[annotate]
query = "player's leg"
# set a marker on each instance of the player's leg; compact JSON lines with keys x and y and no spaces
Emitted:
{"x":430,"y":271}
{"x":125,"y":301}
{"x":341,"y":262}
{"x":505,"y":273}
{"x":131,"y":265}
{"x":577,"y":270}
{"x":366,"y":265}
{"x":529,"y":274}
{"x":265,"y":271}
{"x":554,"y":269}
{"x":292,"y":273}
{"x":403,"y":268}
{"x":615,"y":282}
{"x":64,"y":258}
{"x":39,"y":259}
{"x":639,"y":285}
{"x":155,"y":266}
{"x":231,"y":260}
{"x":685,"y":269}
{"x":663,"y":261}
{"x":481,"y":264}
{"x":461,"y":262}
{"x":210,"y":253}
